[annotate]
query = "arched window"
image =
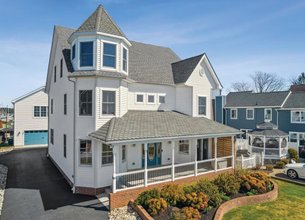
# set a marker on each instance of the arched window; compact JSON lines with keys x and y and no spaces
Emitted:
{"x":272,"y":143}
{"x":258,"y":142}
{"x":284,"y":143}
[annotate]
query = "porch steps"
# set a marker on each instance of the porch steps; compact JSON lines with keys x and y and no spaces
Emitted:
{"x":104,"y":198}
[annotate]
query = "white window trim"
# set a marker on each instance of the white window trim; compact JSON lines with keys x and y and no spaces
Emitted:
{"x":151,"y":103}
{"x":101,"y":103}
{"x":116,"y":56}
{"x":93,"y":103}
{"x":296,"y":122}
{"x":136,"y":95}
{"x":40,"y":117}
{"x":106,"y":164}
{"x":265,"y":110}
{"x":206,"y":105}
{"x":94,"y":54}
{"x":125,"y":153}
{"x":251,"y":109}
{"x":160,"y":95}
{"x":234,"y":109}
{"x":122,"y":54}
{"x":79,"y":163}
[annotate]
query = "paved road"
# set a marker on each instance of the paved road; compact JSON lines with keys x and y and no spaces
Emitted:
{"x":35,"y":189}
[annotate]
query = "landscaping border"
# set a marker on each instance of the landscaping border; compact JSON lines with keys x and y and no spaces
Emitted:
{"x":225,"y":207}
{"x":246,"y":200}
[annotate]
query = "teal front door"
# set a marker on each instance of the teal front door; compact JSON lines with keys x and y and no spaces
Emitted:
{"x":153,"y":154}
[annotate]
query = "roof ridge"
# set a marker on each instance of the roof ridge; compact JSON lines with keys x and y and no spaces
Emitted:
{"x":99,"y":16}
{"x":200,"y":55}
{"x":110,"y":129}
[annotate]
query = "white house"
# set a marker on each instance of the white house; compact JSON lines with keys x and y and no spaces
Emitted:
{"x":125,"y":114}
{"x":31,"y":118}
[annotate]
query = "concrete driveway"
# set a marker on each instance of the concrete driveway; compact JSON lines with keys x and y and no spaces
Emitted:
{"x":35,"y":189}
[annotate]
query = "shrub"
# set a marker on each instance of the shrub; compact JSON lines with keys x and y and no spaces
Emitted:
{"x":227,"y":183}
{"x":156,"y":206}
{"x":257,"y":167}
{"x":145,"y":196}
{"x":196,"y":200}
{"x":269,"y":167}
{"x":258,"y":181}
{"x":172,"y":193}
{"x":293,"y":154}
{"x":211,"y":190}
{"x":279,"y":165}
{"x":186,"y":213}
{"x":285,"y":161}
{"x":302,"y":153}
{"x":189,"y":189}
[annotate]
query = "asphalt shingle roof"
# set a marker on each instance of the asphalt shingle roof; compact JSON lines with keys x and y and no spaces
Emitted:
{"x":249,"y":99}
{"x":295,"y":100}
{"x":100,"y":21}
{"x":154,"y":124}
{"x":269,"y":133}
{"x":184,"y":68}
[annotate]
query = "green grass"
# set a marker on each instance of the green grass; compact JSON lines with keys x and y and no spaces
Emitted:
{"x":289,"y":205}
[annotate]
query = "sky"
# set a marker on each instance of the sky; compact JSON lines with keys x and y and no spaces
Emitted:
{"x":240,"y":37}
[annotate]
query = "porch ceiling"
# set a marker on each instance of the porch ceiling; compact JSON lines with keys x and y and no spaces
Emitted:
{"x":138,"y":125}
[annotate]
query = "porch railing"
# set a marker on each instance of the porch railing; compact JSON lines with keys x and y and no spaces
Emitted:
{"x":246,"y":162}
{"x":134,"y":179}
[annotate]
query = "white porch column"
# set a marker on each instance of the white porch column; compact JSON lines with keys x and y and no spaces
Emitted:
{"x":280,"y":145}
{"x":264,"y":145}
{"x":145,"y":164}
{"x":196,"y":163}
{"x":114,"y":153}
{"x":250,"y":145}
{"x":233,"y":151}
{"x":173,"y":160}
{"x":215,"y":153}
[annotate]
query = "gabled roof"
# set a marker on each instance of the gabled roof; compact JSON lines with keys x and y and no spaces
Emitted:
{"x":28,"y":94}
{"x":249,"y":99}
{"x":100,"y":21}
{"x":295,"y":100}
{"x":184,"y":68}
{"x":138,"y":125}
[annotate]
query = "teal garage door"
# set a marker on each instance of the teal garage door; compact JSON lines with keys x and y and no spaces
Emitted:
{"x":35,"y":137}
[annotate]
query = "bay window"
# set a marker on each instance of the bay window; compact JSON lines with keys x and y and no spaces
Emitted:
{"x":109,"y":55}
{"x":86,"y":54}
{"x":107,"y":156}
{"x":85,"y":152}
{"x":108,"y":102}
{"x":124,"y":59}
{"x":85,"y":102}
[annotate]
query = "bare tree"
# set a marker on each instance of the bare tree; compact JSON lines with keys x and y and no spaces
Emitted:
{"x":241,"y":86}
{"x":300,"y":80}
{"x":267,"y":82}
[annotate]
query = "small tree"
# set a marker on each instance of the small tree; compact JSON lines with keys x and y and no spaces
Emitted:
{"x":267,"y":82}
{"x":241,"y":86}
{"x":299,"y":80}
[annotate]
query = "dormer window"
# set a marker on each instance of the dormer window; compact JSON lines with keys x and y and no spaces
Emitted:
{"x":124,"y":59}
{"x":86,"y":54}
{"x":73,"y":52}
{"x":109,"y":55}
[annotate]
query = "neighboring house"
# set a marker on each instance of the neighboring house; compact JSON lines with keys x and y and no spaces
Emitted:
{"x":285,"y":109}
{"x":31,"y":118}
{"x":125,"y":114}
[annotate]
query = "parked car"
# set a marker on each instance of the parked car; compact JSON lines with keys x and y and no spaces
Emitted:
{"x":295,"y":170}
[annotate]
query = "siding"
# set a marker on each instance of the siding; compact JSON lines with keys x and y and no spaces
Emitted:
{"x":286,"y":125}
{"x":219,"y":111}
{"x":24,"y":116}
{"x":242,"y":123}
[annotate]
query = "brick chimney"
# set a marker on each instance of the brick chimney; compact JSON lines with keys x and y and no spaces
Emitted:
{"x":297,"y":88}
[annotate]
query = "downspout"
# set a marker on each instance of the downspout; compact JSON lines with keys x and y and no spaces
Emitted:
{"x":74,"y":132}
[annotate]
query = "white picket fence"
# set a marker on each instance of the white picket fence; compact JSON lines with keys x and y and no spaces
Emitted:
{"x":246,"y":162}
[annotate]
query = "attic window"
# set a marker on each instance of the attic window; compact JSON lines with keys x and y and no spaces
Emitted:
{"x":86,"y":54}
{"x":109,"y":56}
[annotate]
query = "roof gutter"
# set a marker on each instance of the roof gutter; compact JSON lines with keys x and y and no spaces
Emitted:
{"x":168,"y":138}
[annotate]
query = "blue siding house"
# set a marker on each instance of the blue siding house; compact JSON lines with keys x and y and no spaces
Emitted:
{"x":285,"y":109}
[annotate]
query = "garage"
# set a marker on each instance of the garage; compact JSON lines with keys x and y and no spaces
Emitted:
{"x":35,"y":137}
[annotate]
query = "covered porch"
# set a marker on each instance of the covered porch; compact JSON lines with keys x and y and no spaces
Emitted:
{"x":151,"y":147}
{"x":178,"y":159}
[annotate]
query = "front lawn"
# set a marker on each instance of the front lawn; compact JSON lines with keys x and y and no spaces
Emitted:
{"x":289,"y":205}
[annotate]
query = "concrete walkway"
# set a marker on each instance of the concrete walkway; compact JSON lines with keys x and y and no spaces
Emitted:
{"x":278,"y":174}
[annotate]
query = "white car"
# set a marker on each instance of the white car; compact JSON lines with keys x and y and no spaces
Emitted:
{"x":295,"y":170}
